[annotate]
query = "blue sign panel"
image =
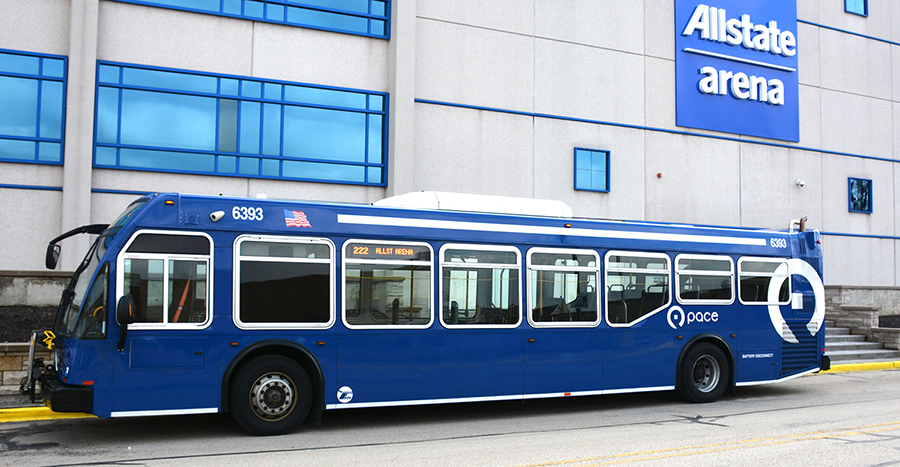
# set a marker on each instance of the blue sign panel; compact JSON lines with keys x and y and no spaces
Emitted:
{"x":736,"y":67}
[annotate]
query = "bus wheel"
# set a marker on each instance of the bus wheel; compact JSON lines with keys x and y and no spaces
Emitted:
{"x":704,"y":373}
{"x":270,"y":395}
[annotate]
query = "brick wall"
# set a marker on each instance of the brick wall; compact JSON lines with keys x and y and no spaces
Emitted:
{"x":14,"y":367}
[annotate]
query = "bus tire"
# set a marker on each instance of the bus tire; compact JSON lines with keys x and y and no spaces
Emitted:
{"x":270,"y":395}
{"x":704,"y":373}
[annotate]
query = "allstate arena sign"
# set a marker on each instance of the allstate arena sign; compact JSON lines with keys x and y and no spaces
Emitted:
{"x":736,"y":67}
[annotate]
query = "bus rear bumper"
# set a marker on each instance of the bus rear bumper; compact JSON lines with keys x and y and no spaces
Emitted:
{"x":62,"y":397}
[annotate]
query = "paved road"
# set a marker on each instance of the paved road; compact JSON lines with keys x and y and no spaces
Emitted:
{"x":845,"y":419}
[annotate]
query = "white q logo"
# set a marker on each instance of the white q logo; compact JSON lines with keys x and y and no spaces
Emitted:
{"x":676,"y":315}
{"x":802,"y":268}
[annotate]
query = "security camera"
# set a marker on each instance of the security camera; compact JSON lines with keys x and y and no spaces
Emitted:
{"x":800,"y":183}
{"x":216,"y":216}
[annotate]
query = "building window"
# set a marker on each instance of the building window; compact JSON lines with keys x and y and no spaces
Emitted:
{"x":860,"y":194}
{"x":32,"y":110}
{"x":174,"y":121}
{"x":361,"y":17}
{"x":859,"y":7}
{"x":591,"y":170}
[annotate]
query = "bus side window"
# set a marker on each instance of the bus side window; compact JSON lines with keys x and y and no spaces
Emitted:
{"x":284,"y":282}
{"x":756,"y":275}
{"x":387,"y":284}
{"x":94,"y":313}
{"x":637,"y":285}
{"x":167,"y":276}
{"x":563,"y":287}
{"x":479,"y":285}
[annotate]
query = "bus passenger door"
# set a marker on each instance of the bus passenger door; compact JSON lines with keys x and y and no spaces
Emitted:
{"x":169,"y":363}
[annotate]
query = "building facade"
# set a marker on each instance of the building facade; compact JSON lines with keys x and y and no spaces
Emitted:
{"x":746,"y":114}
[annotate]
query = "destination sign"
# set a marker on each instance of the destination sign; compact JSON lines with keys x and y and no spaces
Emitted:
{"x":388,"y":251}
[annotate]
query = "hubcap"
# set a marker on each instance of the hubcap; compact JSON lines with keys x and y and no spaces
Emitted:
{"x":706,"y":373}
{"x":272,"y":396}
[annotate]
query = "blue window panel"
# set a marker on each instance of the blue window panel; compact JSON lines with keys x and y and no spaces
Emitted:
{"x":20,"y":64}
{"x":227,"y":164}
{"x":248,"y":166}
{"x":231,"y":7}
{"x":275,"y":12}
{"x":49,"y":152}
{"x":16,"y":150}
{"x":53,"y":67}
{"x":375,"y":142}
{"x":32,"y":107}
{"x":358,"y":6}
{"x":228,"y":118}
{"x":271,"y":129}
{"x":326,"y":97}
{"x":250,"y":127}
{"x":254,"y":10}
{"x":107,"y":126}
{"x":105,"y":156}
{"x":859,"y":7}
{"x":328,"y":20}
{"x":108,"y":74}
{"x":169,"y":120}
{"x":51,"y":109}
{"x":377,"y":27}
{"x":591,"y":170}
{"x":320,"y":171}
{"x":18,"y":106}
{"x":168,"y":80}
{"x":166,"y":160}
{"x":324,"y":134}
{"x":860,"y":195}
{"x":222,"y":125}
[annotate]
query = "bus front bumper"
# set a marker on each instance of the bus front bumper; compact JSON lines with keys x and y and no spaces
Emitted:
{"x":62,"y":397}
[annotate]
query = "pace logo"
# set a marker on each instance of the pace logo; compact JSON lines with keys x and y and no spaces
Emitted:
{"x":344,"y":394}
{"x":736,"y":67}
{"x":801,"y":268}
{"x":678,"y":318}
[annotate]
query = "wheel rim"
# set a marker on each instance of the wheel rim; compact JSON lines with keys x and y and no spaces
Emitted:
{"x":706,"y":373}
{"x":272,"y":396}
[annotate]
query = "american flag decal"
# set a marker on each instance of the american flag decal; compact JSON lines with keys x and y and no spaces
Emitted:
{"x":295,"y":219}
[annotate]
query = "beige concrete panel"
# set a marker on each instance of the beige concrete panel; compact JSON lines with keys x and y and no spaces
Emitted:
{"x":32,"y":219}
{"x":310,"y":56}
{"x":810,"y":116}
{"x":308,"y":191}
{"x":895,"y":20}
{"x":466,"y":65}
{"x":35,"y":26}
{"x":610,"y":25}
{"x":659,"y":93}
{"x":877,"y":24}
{"x":808,"y":55}
{"x":30,"y":174}
{"x":895,"y":72}
{"x":659,"y":29}
{"x":858,"y":261}
{"x":515,"y":16}
{"x":835,"y":198}
{"x":699,"y":182}
{"x":855,"y":64}
{"x":473,"y":151}
{"x":770,"y":195}
{"x":174,"y":39}
{"x":808,"y":10}
{"x":588,"y":82}
{"x":856,"y":124}
{"x":554,"y":168}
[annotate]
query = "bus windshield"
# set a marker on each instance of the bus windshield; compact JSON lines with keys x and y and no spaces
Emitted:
{"x":74,"y":293}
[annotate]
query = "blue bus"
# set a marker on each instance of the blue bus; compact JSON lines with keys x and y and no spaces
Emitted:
{"x":276,"y":310}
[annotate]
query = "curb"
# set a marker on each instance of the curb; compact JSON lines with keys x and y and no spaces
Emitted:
{"x":869,"y":366}
{"x":27,"y":414}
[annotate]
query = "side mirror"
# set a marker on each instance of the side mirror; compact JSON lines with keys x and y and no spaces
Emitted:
{"x":52,"y":257}
{"x":124,"y":316}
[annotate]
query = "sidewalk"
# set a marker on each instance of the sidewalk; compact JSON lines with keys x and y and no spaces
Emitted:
{"x":13,"y":412}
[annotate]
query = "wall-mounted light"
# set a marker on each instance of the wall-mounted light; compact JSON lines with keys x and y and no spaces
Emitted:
{"x":800,"y":182}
